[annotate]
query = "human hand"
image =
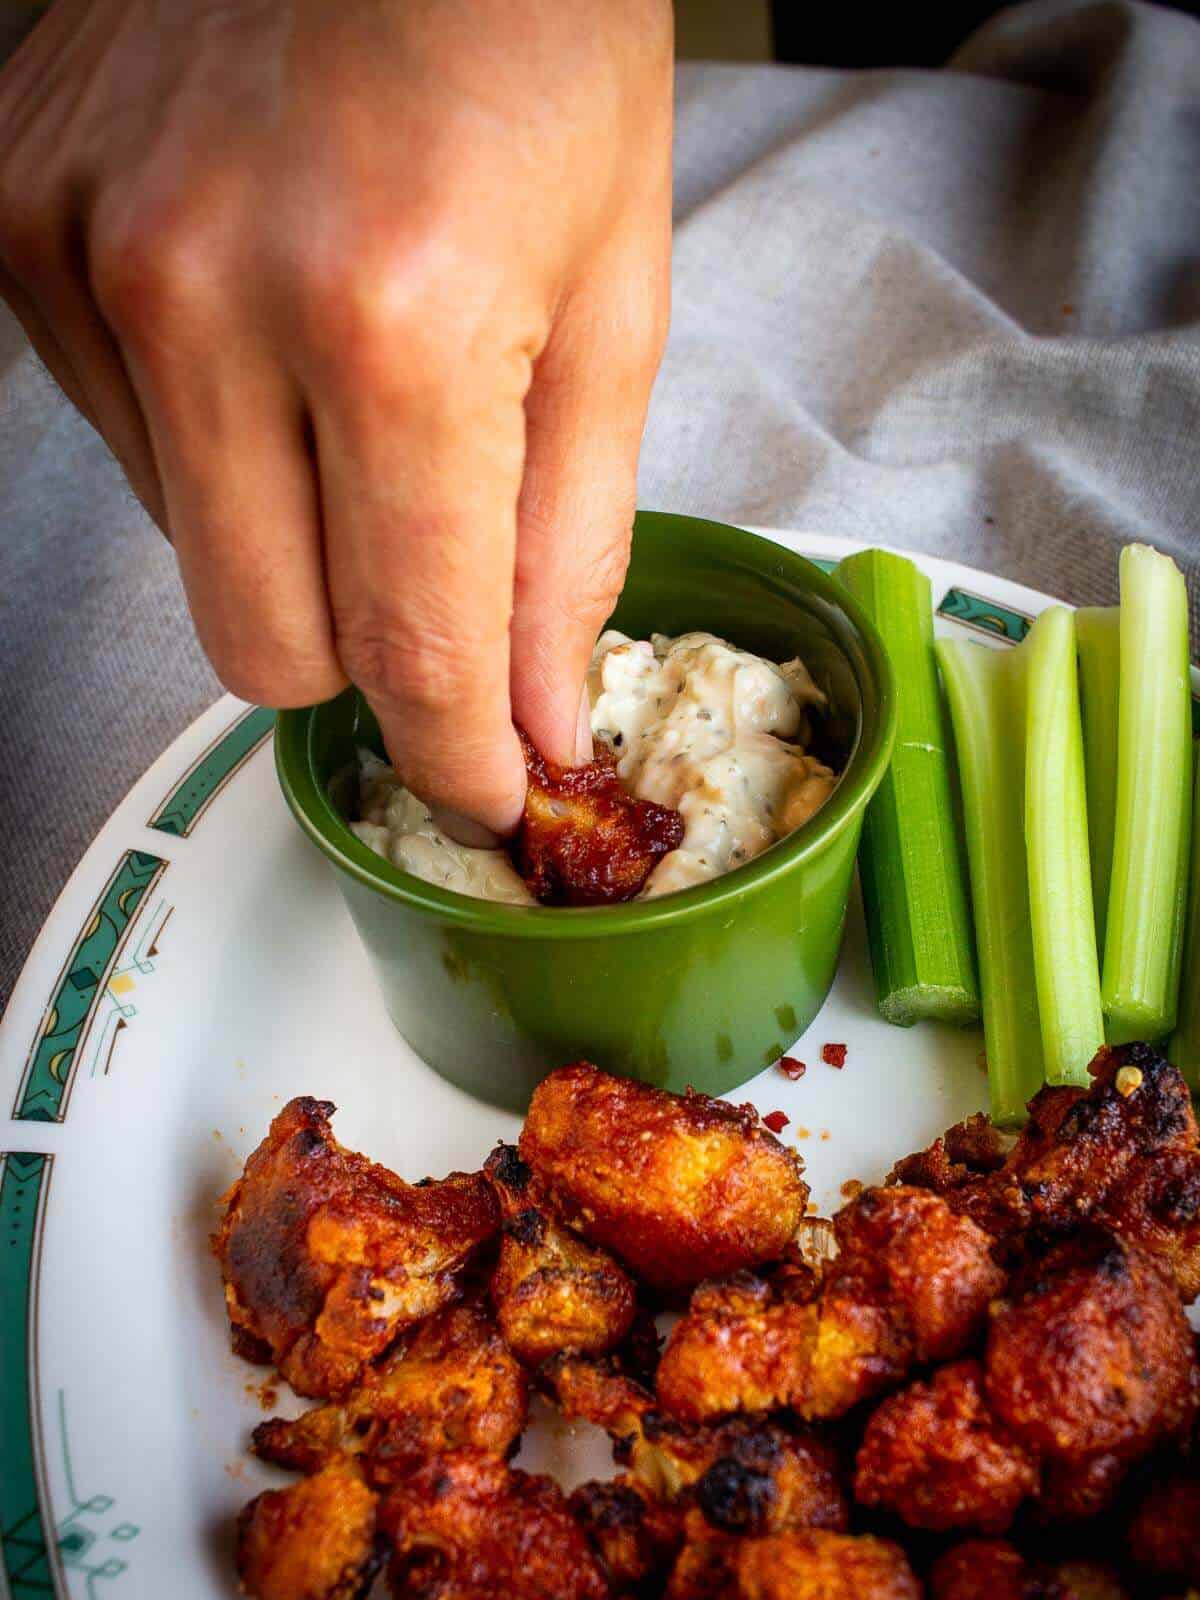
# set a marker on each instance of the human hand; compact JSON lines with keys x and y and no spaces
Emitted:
{"x":367,"y":300}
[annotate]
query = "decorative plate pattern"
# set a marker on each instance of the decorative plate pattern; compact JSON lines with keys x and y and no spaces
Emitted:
{"x":90,"y":976}
{"x":26,"y":1540}
{"x":211,"y":771}
{"x":198,"y":970}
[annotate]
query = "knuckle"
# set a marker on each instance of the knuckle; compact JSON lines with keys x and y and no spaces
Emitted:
{"x":360,"y":302}
{"x":390,"y":313}
{"x":151,"y":262}
{"x":419,"y":666}
{"x":591,"y":598}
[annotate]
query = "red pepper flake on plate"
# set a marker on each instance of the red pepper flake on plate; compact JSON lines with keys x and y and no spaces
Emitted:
{"x":791,"y":1068}
{"x":833,"y":1055}
{"x":776,"y":1121}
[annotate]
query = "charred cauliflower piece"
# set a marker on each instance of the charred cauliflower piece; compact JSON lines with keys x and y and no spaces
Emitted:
{"x":552,"y":1292}
{"x":678,"y":1187}
{"x":327,"y":1256}
{"x":911,"y":1283}
{"x":1123,"y":1153}
{"x":583,"y":840}
{"x":1090,"y":1364}
{"x":453,"y":1382}
{"x":745,"y":1475}
{"x":937,"y":1457}
{"x":635,"y":1536}
{"x":464,"y":1526}
{"x":314,"y":1540}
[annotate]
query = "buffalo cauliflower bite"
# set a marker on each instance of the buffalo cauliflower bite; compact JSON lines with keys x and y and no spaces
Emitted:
{"x":745,"y":1475}
{"x":583,"y":840}
{"x":937,"y":1457}
{"x":636,"y":1536}
{"x":314,"y":1540}
{"x":813,"y":1564}
{"x":327,"y":1256}
{"x":1123,"y":1153}
{"x":1090,"y":1358}
{"x":463,"y":1526}
{"x":804,"y":1564}
{"x":1164,"y":1530}
{"x":678,"y":1187}
{"x":745,"y":1343}
{"x":452,"y":1382}
{"x":552,"y":1292}
{"x":993,"y":1569}
{"x":911,"y":1282}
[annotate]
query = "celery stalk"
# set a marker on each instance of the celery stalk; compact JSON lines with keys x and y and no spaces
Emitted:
{"x":986,"y":691}
{"x":1144,"y":936}
{"x":1185,"y":1043}
{"x":1098,"y":631}
{"x":910,"y":860}
{"x":1062,"y":918}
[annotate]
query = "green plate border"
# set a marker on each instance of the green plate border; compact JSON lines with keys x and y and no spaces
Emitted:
{"x":45,"y":1086}
{"x":211,"y":771}
{"x":976,"y":611}
{"x":29,"y":1562}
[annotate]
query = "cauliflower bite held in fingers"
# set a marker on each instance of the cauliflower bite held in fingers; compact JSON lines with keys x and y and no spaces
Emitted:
{"x":552,"y":1292}
{"x":678,"y":1187}
{"x":583,"y":839}
{"x":327,"y":1256}
{"x":936,"y":1456}
{"x":314,"y":1540}
{"x":464,"y":1526}
{"x":451,"y":1382}
{"x":911,"y":1283}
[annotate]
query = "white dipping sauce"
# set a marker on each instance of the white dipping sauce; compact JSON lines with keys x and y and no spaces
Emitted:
{"x":715,"y":733}
{"x":399,"y":826}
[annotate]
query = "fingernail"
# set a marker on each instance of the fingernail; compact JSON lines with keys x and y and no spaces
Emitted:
{"x":583,"y":730}
{"x":464,"y":829}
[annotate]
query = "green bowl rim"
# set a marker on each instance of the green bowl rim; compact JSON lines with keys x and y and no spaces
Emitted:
{"x":317,"y":816}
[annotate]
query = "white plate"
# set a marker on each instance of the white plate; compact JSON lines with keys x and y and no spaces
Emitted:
{"x":198,"y":970}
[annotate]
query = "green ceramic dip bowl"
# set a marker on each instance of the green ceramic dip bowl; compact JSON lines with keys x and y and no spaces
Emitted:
{"x":704,"y":987}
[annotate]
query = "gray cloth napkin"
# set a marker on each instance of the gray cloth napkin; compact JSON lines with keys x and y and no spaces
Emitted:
{"x":955,"y":311}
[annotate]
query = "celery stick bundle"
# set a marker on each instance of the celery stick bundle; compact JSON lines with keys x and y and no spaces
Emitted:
{"x":1078,"y":822}
{"x":1020,"y":747}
